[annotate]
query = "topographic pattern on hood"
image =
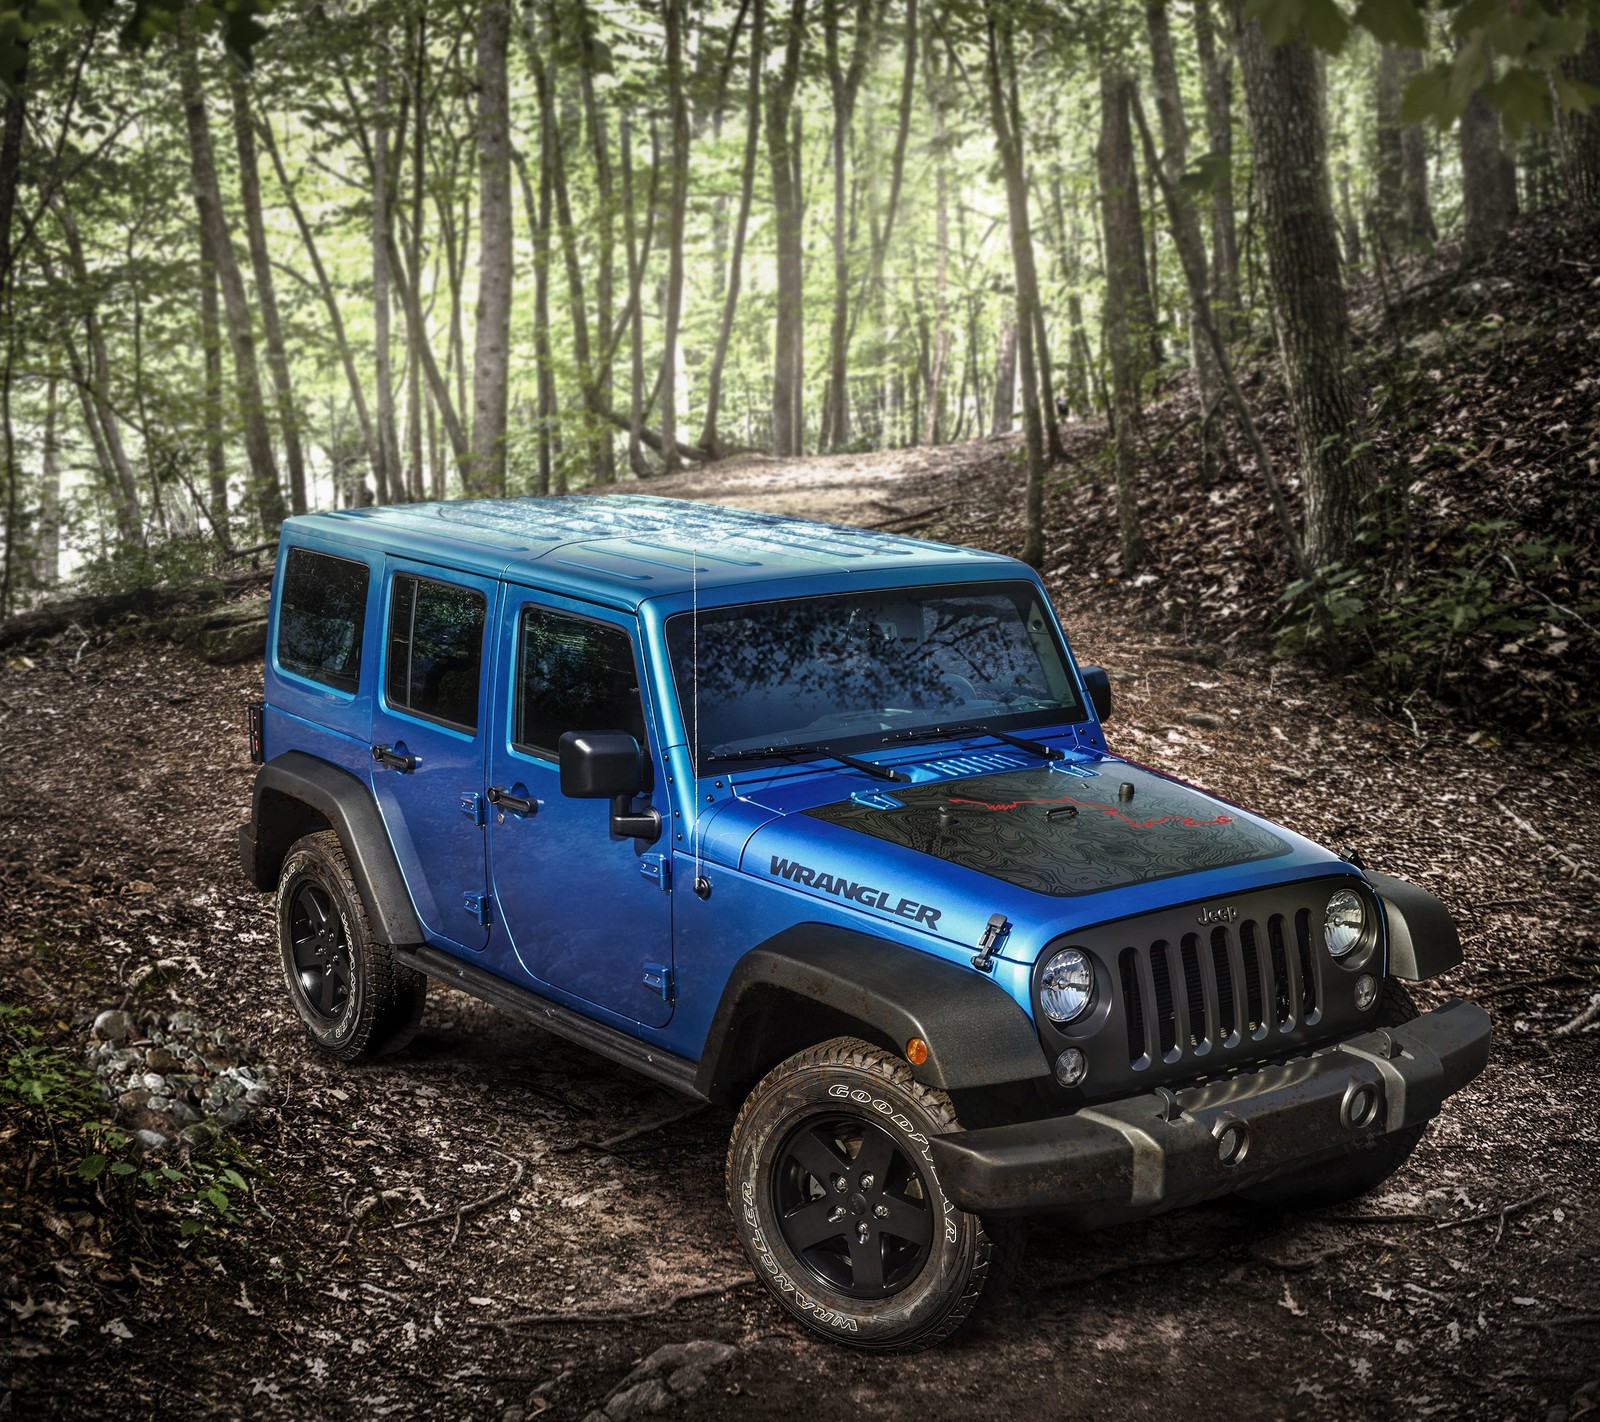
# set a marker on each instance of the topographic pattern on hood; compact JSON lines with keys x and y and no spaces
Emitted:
{"x":1060,"y":834}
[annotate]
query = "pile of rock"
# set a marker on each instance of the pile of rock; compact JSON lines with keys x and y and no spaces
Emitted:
{"x":668,"y":1377}
{"x":171,"y":1076}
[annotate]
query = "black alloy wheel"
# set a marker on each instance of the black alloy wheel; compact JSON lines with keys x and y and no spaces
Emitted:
{"x":322,"y":959}
{"x":352,"y":997}
{"x":852,"y":1206}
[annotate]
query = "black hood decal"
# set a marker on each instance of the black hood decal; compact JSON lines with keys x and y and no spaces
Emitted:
{"x":1062,"y":833}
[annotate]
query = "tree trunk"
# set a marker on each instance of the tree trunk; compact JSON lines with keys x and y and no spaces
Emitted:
{"x":1388,"y":212}
{"x":1216,"y":77}
{"x":211,"y":340}
{"x":999,"y":58}
{"x":844,"y":84}
{"x":331,"y":301}
{"x":414,"y":329}
{"x":486,"y":468}
{"x":1038,"y":357}
{"x":539,"y":231}
{"x":16,"y":122}
{"x":677,"y":208}
{"x":604,"y":262}
{"x":1284,"y":104}
{"x":1580,"y":132}
{"x":1417,"y":226}
{"x":47,"y":542}
{"x":1114,"y":156}
{"x":266,"y":494}
{"x":638,"y":259}
{"x":1005,"y":377}
{"x":387,"y":470}
{"x":1186,"y":234}
{"x":1351,"y":228}
{"x":741,"y":226}
{"x":96,"y":383}
{"x":1485,"y":209}
{"x":942,"y":334}
{"x":266,"y":287}
{"x":788,"y":366}
{"x":552,"y":143}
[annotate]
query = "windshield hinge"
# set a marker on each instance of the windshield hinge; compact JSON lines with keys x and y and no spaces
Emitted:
{"x":994,"y":931}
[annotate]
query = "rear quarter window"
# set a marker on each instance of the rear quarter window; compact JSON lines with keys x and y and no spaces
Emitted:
{"x":322,"y":612}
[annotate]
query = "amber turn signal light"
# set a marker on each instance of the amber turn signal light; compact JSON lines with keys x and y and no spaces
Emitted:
{"x":916,"y":1051}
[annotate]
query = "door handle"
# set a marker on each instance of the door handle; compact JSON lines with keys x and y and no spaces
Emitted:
{"x":394,"y":760}
{"x":504,"y":801}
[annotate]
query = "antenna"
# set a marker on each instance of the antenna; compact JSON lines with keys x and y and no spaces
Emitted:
{"x":702,"y":885}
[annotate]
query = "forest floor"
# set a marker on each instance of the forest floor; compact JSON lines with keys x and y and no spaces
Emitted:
{"x":352,"y":1287}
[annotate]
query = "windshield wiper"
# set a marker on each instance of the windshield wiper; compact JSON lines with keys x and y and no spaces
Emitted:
{"x":882,"y":772}
{"x":933,"y":733}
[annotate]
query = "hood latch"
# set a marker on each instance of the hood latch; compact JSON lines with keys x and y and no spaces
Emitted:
{"x":994,"y":931}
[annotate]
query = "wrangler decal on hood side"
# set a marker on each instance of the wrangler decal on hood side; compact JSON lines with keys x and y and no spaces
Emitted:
{"x":863,"y":894}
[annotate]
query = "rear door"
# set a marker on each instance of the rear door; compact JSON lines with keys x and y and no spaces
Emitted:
{"x":583,"y":912}
{"x":428,"y":739}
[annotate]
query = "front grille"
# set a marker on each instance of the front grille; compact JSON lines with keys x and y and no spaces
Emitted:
{"x":1189,"y":1000}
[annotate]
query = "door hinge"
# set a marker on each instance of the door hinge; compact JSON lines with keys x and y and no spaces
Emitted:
{"x":480,"y":906}
{"x":472,"y":808}
{"x":657,"y":868}
{"x":658,"y":977}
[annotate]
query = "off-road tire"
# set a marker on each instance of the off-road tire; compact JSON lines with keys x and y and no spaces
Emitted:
{"x":1337,"y":1182}
{"x":967,"y":1259}
{"x":380,"y":1010}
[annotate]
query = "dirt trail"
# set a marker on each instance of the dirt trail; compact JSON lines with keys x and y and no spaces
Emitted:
{"x":124,"y":775}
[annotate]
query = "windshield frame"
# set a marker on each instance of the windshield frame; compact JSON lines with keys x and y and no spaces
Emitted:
{"x":863,"y":743}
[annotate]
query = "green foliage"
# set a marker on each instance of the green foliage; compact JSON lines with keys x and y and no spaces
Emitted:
{"x":59,"y":1098}
{"x":1447,"y":622}
{"x":1530,"y":37}
{"x":165,"y":562}
{"x":238,"y":21}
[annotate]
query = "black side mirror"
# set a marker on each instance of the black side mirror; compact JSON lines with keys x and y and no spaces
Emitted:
{"x":608,"y":765}
{"x":1098,"y":685}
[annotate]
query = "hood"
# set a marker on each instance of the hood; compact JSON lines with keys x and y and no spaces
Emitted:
{"x":1053,"y":847}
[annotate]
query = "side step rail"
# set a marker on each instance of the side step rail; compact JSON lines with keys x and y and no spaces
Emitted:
{"x":670,"y":1070}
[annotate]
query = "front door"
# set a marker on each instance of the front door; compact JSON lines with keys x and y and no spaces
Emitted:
{"x":581,"y":910}
{"x":428,"y":744}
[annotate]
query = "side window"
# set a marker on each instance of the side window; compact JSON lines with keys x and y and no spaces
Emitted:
{"x":322,"y":612}
{"x":435,"y":651}
{"x":573,"y":675}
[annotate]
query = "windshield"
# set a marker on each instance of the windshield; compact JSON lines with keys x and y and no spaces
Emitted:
{"x":860,"y":669}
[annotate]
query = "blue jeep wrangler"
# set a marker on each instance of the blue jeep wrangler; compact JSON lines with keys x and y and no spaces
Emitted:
{"x":861,"y":865}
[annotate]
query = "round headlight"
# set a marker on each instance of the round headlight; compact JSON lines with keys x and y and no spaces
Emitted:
{"x":1344,"y":923}
{"x":1067,"y":985}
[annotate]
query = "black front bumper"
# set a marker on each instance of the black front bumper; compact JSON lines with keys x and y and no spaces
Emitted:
{"x":1140,"y":1156}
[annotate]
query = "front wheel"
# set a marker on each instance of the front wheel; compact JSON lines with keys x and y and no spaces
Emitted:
{"x":837,"y":1202}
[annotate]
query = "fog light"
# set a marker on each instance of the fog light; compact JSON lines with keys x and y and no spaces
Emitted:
{"x":1366,"y":991}
{"x":1071,"y":1067}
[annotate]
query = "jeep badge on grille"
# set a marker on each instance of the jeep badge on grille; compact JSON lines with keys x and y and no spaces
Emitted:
{"x":1225,"y":914}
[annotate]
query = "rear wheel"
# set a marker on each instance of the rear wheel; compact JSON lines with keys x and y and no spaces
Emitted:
{"x":1336,"y":1182}
{"x":836,"y":1200}
{"x":356,"y":1002}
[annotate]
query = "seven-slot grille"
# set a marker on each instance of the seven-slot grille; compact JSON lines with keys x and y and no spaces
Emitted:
{"x":1202,"y":993}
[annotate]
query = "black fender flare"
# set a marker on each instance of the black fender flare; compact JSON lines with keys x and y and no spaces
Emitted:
{"x":977,"y":1036}
{"x":1423,"y":939}
{"x":289,"y":786}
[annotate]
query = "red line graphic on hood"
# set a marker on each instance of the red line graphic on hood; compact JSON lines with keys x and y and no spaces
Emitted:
{"x":1188,"y":821}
